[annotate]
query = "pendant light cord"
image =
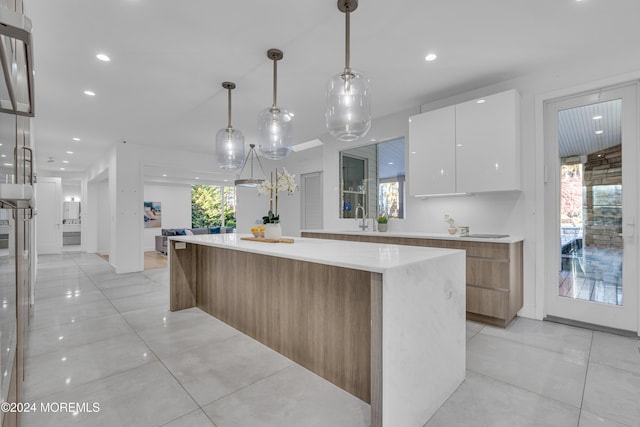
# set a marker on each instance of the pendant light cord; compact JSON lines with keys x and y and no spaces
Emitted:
{"x":347,"y":53}
{"x":275,"y":83}
{"x":229,"y":105}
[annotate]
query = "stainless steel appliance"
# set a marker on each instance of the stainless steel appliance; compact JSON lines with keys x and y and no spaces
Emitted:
{"x":16,"y":199}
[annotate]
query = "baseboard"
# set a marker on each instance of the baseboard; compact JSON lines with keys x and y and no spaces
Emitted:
{"x":585,"y":325}
{"x":528,"y":311}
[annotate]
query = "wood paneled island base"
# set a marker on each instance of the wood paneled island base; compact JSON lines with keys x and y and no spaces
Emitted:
{"x":329,"y":318}
{"x":317,"y":315}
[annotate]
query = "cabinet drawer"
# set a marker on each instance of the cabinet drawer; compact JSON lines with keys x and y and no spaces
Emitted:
{"x":488,"y":273}
{"x":487,"y":302}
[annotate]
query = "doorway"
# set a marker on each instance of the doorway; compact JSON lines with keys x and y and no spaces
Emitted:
{"x":49,"y":218}
{"x":311,"y":201}
{"x":591,"y":205}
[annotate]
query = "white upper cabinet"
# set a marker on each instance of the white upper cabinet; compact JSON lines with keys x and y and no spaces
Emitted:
{"x":466,"y":148}
{"x":488,"y":143}
{"x":432,"y":152}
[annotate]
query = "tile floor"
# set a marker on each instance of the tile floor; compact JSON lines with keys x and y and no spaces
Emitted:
{"x":101,"y":337}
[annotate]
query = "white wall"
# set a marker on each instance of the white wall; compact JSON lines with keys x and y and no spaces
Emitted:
{"x":71,"y":190}
{"x":176,"y":208}
{"x":252,"y":207}
{"x":102,"y":216}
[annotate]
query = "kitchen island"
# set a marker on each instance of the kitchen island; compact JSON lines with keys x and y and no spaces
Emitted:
{"x":494,"y":267}
{"x":384,"y":322}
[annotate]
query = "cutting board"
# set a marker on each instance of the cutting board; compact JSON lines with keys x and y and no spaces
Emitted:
{"x":262,"y":239}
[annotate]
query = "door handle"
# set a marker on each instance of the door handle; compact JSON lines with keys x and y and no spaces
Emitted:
{"x":631,"y":226}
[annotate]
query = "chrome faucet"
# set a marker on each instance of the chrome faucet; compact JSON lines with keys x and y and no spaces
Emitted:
{"x":363,"y":225}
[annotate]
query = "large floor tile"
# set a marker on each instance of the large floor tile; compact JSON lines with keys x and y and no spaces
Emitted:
{"x":484,"y":401}
{"x":587,"y":419}
{"x":616,"y":351}
{"x":140,"y":397}
{"x":291,"y":397}
{"x":157,"y":316}
{"x":613,"y":393}
{"x":219,"y":368}
{"x":473,"y":328}
{"x":69,"y":314}
{"x":61,"y":370}
{"x":63,"y":288}
{"x":568,"y":340}
{"x":196,"y":418}
{"x":176,"y":338}
{"x":145,"y":288}
{"x":68,"y":335}
{"x":118,"y":282}
{"x":135,"y":302}
{"x":546,"y":372}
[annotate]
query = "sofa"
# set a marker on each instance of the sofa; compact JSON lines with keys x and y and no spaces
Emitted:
{"x":161,"y":240}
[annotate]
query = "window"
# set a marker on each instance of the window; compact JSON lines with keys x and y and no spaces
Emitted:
{"x":213,"y":206}
{"x":373,"y":176}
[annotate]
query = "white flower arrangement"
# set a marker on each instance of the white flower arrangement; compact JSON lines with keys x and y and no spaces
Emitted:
{"x":284,"y":182}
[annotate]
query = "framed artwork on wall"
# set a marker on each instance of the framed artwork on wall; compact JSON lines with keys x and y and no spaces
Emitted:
{"x":152,"y":214}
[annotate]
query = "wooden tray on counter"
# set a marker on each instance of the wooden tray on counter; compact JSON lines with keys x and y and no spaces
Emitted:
{"x":262,"y":239}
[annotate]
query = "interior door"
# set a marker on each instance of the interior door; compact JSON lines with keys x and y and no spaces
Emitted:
{"x":591,"y":208}
{"x":311,"y":201}
{"x":49,"y":218}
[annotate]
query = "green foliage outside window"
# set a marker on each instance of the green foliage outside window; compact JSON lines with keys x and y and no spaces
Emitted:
{"x":207,"y":205}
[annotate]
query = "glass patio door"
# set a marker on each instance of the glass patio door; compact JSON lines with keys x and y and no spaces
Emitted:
{"x":591,"y":199}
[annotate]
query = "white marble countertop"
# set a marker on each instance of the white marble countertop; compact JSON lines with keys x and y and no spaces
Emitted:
{"x":420,"y":235}
{"x":374,"y":257}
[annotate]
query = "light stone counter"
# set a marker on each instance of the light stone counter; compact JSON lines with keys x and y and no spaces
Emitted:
{"x":376,"y":258}
{"x":417,"y":309}
{"x":419,"y":235}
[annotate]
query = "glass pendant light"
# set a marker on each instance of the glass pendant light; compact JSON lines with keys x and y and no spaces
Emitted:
{"x":229,"y":141}
{"x":348,"y":104}
{"x":251,"y":181}
{"x":275,"y":123}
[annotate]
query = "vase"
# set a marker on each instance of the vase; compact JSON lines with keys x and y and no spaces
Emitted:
{"x":382,"y":227}
{"x":452,"y":230}
{"x":272,"y":231}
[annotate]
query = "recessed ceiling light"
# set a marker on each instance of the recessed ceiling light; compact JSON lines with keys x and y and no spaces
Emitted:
{"x":430,"y":57}
{"x":164,"y":174}
{"x":413,"y":152}
{"x":69,"y":152}
{"x":597,"y":117}
{"x":103,"y":57}
{"x":62,"y":169}
{"x":3,"y":155}
{"x":480,"y":101}
{"x":76,"y":139}
{"x":65,"y":161}
{"x":8,"y":164}
{"x":90,"y":93}
{"x":390,"y":163}
{"x":0,"y":144}
{"x":598,"y":132}
{"x":197,"y":177}
{"x":226,"y":180}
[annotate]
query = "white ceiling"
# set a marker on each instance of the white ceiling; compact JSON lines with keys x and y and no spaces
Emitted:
{"x":169,"y":58}
{"x":589,"y":128}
